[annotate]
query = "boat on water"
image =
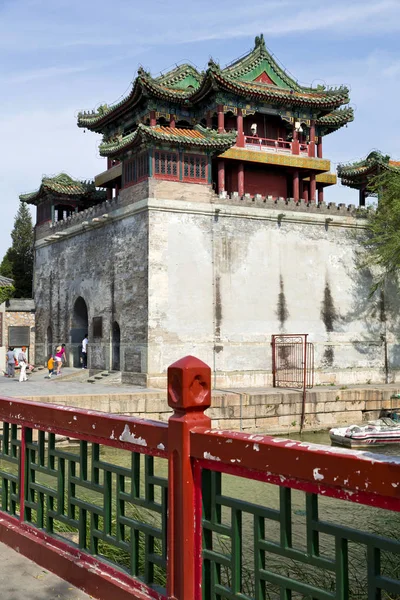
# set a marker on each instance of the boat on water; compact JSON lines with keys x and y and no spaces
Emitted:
{"x":381,"y":432}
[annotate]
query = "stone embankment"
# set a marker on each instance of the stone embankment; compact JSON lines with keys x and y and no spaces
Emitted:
{"x":268,"y":410}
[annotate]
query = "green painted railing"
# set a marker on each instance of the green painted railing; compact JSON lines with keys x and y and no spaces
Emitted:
{"x":132,"y":509}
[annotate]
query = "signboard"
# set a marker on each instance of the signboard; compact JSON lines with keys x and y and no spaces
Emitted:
{"x":18,"y":335}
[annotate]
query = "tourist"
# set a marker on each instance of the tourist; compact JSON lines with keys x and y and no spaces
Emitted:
{"x":22,"y":360}
{"x":64,"y":355}
{"x":10,"y":362}
{"x":85,"y":342}
{"x":58,"y":358}
{"x":50,"y":365}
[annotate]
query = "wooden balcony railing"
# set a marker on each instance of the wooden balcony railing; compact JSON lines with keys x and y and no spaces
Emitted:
{"x":279,"y":146}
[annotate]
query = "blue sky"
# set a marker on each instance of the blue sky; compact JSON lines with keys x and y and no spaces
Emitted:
{"x":60,"y":56}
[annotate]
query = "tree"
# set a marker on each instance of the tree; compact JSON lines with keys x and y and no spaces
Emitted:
{"x":383,"y":228}
{"x":18,"y":260}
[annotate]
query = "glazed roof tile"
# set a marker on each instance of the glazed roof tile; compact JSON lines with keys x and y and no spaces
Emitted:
{"x":199,"y":137}
{"x":6,"y":281}
{"x":184,"y":85}
{"x":353,"y":174}
{"x":62,"y":185}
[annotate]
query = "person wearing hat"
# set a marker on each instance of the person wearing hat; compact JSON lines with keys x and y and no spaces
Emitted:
{"x":22,"y":360}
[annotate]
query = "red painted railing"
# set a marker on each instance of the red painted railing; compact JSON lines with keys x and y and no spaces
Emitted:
{"x":192,"y":449}
{"x":269,"y":145}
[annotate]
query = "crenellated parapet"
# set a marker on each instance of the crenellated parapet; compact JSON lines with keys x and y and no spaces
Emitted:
{"x":289,"y":204}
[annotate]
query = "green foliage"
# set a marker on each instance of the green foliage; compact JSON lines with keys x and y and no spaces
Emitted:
{"x":6,"y":265}
{"x":383,"y":227}
{"x":18,"y":260}
{"x":6,"y":292}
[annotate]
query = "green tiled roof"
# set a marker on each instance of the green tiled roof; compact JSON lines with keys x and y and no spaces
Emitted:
{"x":199,"y":137}
{"x":357,"y":173}
{"x":6,"y":281}
{"x":256,"y":76}
{"x":183,"y":77}
{"x":63,"y":185}
{"x":335,"y":119}
{"x":216,"y":78}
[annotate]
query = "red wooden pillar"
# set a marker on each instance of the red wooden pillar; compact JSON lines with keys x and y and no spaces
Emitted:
{"x":209,"y":120}
{"x":295,"y":143}
{"x":241,"y":179}
{"x":296,"y":186}
{"x":109,"y":193}
{"x":319,"y":147}
{"x":362,"y":196}
{"x":313,"y":187}
{"x":189,"y":395}
{"x":172,"y":120}
{"x":221,"y":118}
{"x":116,"y":190}
{"x":305,"y":191}
{"x":311,"y":146}
{"x":320,"y":189}
{"x":240,"y":136}
{"x":221,"y":176}
{"x":153,"y":120}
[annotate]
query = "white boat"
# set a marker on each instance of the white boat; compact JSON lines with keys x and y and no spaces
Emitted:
{"x":376,"y":433}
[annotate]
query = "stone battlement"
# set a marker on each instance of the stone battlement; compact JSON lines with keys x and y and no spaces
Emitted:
{"x":93,"y":212}
{"x":287,"y":204}
{"x":101,"y":211}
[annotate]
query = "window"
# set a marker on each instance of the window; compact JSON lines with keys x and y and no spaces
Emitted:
{"x":136,"y":169}
{"x":166,"y":164}
{"x":97,"y":327}
{"x":195,"y":167}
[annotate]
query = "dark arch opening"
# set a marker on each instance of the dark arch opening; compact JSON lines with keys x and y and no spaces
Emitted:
{"x":79,"y":328}
{"x":116,"y":344}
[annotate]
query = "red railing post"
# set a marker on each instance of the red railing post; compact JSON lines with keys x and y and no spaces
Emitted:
{"x":189,"y":394}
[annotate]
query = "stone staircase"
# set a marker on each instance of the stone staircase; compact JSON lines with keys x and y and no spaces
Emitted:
{"x":106,"y":378}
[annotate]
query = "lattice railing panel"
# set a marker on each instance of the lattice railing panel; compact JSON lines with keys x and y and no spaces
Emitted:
{"x":283,"y":549}
{"x":10,"y":445}
{"x":111,"y":503}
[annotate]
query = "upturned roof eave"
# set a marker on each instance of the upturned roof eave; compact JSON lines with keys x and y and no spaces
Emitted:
{"x":215,"y":80}
{"x":217,"y":142}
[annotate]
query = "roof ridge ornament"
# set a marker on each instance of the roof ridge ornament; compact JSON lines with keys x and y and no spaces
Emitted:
{"x":259,"y":42}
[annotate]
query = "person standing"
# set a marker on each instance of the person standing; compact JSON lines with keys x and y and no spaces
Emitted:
{"x":10,"y":362}
{"x":85,"y":342}
{"x":58,"y":358}
{"x":22,"y":360}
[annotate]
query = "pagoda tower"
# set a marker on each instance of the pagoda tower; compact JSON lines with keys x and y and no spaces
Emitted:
{"x":248,"y":128}
{"x":358,"y":175}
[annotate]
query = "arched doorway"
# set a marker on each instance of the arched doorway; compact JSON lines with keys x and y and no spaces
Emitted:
{"x":116,"y":341}
{"x":49,"y":342}
{"x":79,"y":328}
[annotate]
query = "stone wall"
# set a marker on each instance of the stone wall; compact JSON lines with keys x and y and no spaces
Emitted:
{"x":277,"y":412}
{"x":106,"y":265}
{"x":184,"y":271}
{"x":15,"y":316}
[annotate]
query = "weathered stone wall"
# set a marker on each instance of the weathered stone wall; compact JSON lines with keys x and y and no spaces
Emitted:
{"x":224,"y":278}
{"x":106,"y":265}
{"x":183,"y":271}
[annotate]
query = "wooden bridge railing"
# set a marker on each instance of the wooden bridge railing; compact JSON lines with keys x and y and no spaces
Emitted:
{"x":130,"y":508}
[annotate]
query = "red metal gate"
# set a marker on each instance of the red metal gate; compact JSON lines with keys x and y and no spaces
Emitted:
{"x":292,"y":361}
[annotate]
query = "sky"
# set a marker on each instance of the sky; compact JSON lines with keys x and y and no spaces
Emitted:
{"x":59,"y":57}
